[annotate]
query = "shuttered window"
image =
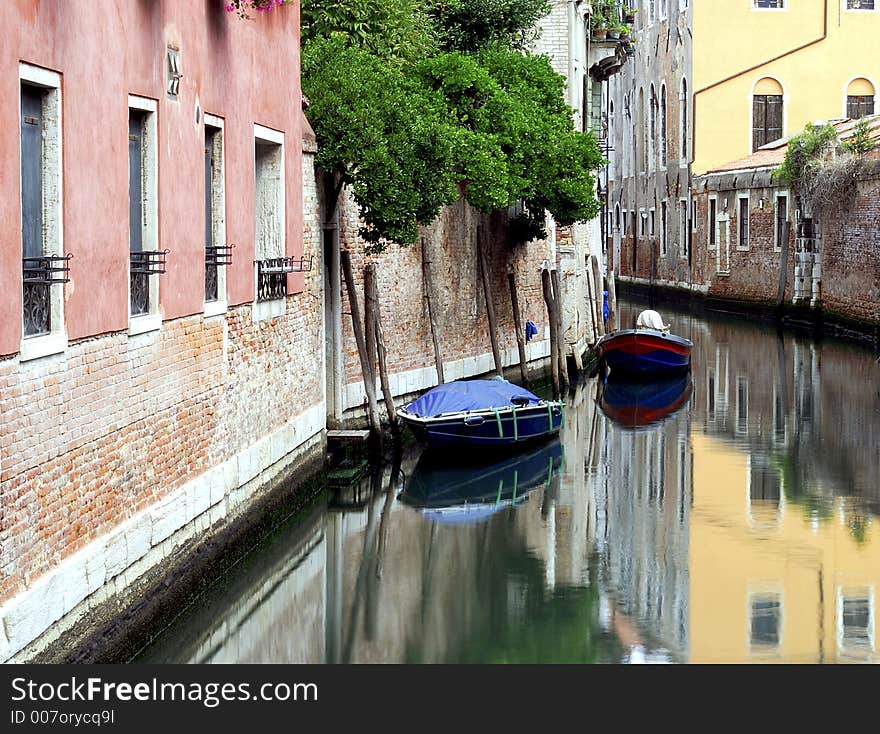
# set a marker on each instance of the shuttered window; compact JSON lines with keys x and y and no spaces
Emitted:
{"x":766,"y":119}
{"x":36,"y":297}
{"x":859,"y":106}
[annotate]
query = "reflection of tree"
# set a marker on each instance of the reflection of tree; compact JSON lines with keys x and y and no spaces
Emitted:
{"x":523,"y":624}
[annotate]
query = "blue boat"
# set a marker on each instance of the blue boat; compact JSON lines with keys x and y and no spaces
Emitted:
{"x":482,"y":413}
{"x":459,"y":493}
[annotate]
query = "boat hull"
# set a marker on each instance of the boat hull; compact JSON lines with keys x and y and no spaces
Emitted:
{"x":506,"y":428}
{"x":644,"y":352}
{"x":641,"y":404}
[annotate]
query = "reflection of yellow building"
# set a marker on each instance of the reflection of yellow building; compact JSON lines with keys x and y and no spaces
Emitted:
{"x":767,"y":582}
{"x":767,"y":67}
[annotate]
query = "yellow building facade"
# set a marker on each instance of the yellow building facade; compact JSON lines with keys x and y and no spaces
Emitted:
{"x":762,"y":67}
{"x":768,"y":581}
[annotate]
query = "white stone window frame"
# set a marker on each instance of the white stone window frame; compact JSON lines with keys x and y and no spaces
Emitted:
{"x":750,"y":103}
{"x":663,"y":10}
{"x":844,"y":7}
{"x":755,"y":523}
{"x":55,"y":342}
{"x":866,"y":77}
{"x":865,"y":591}
{"x":740,"y":197}
{"x":643,"y":222}
{"x":652,"y":222}
{"x":151,"y":321}
{"x":664,"y":228}
{"x":711,"y":244}
{"x":695,"y":215}
{"x":218,"y":211}
{"x":684,"y":107}
{"x":683,"y":212}
{"x":785,"y":194}
{"x":264,"y":310}
{"x":625,"y":227}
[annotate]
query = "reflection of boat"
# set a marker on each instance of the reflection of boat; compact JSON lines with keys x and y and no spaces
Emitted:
{"x":469,"y":492}
{"x":484,"y":413}
{"x":644,"y":351}
{"x":635,"y":404}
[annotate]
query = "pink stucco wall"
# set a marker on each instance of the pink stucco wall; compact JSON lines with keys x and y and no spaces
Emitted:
{"x":245,"y":71}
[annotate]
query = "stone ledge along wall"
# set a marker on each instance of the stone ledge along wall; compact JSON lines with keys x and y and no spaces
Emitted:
{"x":459,"y":301}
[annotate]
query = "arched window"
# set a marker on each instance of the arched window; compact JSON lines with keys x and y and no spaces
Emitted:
{"x":683,"y":119}
{"x":860,"y":98}
{"x":767,"y":112}
{"x":663,"y":126}
{"x":652,"y":129}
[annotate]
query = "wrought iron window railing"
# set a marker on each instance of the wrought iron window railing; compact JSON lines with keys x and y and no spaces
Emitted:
{"x":215,"y":256}
{"x":143,"y":264}
{"x":272,"y":275}
{"x":38,"y":275}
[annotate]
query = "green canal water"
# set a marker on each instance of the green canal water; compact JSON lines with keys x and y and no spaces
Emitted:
{"x":727,"y":517}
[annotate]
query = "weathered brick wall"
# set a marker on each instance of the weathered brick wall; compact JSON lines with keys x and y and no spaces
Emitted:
{"x":458,"y":291}
{"x":851,"y":256}
{"x":90,"y":437}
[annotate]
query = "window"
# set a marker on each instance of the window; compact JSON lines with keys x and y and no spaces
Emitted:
{"x":780,"y":218}
{"x":663,"y":126}
{"x":694,"y":215}
{"x":270,"y":227}
{"x":44,"y":266}
{"x":612,"y":152}
{"x":765,"y":621}
{"x":218,"y":254}
{"x":683,"y":119}
{"x":652,"y":223}
{"x":859,"y":98}
{"x":663,"y":228}
{"x":624,"y":222}
{"x":652,"y":129}
{"x":743,"y":221}
{"x":768,"y":4}
{"x":643,"y":222}
{"x":855,"y":623}
{"x":663,"y":13}
{"x":742,"y":405}
{"x":617,"y":217}
{"x":713,"y":222}
{"x":652,"y":10}
{"x":767,"y":112}
{"x":859,"y":4}
{"x":145,"y":262}
{"x":683,"y":228}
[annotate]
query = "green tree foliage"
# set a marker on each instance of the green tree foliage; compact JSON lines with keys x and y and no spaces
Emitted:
{"x":470,"y":25}
{"x":804,"y":154}
{"x":392,"y":29}
{"x":860,"y":142}
{"x":408,"y":129}
{"x":385,"y":133}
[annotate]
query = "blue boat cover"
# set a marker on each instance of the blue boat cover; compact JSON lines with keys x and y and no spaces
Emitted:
{"x":457,"y":397}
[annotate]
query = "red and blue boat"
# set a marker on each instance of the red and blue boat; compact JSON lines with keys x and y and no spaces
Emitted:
{"x":483,"y":414}
{"x":644,"y":352}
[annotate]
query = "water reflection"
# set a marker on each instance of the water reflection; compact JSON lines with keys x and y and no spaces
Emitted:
{"x":736,"y":523}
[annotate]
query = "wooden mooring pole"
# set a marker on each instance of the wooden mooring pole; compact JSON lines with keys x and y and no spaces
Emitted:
{"x":612,"y":302}
{"x":490,"y":306}
{"x":517,"y":324}
{"x":560,"y":341}
{"x":358,"y":328}
{"x":600,"y":296}
{"x":428,"y":281}
{"x":547,"y":287}
{"x":783,"y":266}
{"x":374,"y":315}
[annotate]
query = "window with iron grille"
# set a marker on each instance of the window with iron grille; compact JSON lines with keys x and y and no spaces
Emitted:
{"x":858,"y":106}
{"x":766,"y":119}
{"x":270,"y":246}
{"x":860,"y":4}
{"x":769,"y":4}
{"x":44,"y":266}
{"x":218,"y":254}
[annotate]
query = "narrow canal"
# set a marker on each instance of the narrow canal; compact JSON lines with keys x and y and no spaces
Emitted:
{"x":730,"y":518}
